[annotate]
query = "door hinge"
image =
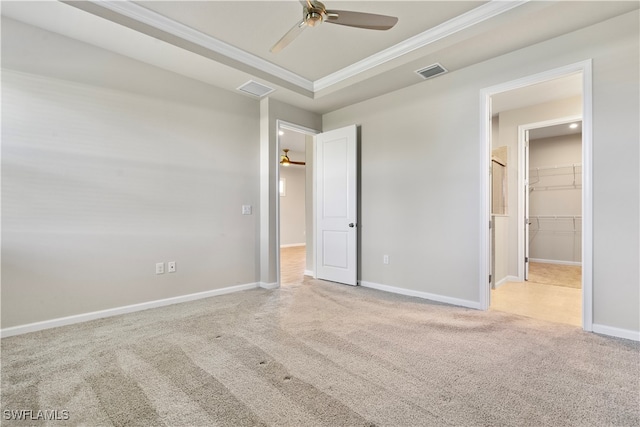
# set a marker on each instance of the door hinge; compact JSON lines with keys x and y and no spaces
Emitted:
{"x":526,"y":259}
{"x":490,"y":224}
{"x":490,"y":277}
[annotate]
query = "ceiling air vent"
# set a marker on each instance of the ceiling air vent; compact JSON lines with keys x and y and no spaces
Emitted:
{"x":431,"y":71}
{"x":255,"y":89}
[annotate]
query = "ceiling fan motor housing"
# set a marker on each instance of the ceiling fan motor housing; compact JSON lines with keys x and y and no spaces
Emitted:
{"x":313,"y":18}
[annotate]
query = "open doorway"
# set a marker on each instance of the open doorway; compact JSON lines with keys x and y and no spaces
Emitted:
{"x":295,"y":206}
{"x":538,"y":220}
{"x":552,"y":225}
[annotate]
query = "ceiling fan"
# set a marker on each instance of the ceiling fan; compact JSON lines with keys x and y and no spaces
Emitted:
{"x":284,"y":159}
{"x":315,"y":13}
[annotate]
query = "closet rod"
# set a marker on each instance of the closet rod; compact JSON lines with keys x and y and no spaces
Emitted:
{"x":556,"y":216}
{"x":571,"y":165}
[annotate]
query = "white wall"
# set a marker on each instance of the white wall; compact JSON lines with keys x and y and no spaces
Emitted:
{"x":554,"y":193}
{"x":421,"y":208}
{"x":292,"y":205}
{"x":99,"y":184}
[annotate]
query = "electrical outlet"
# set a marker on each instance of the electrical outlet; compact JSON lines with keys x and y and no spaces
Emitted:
{"x":385,"y":259}
{"x":160,"y":268}
{"x":171,"y":267}
{"x":246,"y":209}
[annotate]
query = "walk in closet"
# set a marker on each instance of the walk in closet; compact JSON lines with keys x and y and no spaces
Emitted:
{"x":555,"y":199}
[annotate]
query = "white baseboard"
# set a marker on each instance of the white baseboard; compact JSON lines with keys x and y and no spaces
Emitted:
{"x":85,"y":317}
{"x":308,"y":273}
{"x":506,"y":280}
{"x":293,"y":245}
{"x":616,"y":332}
{"x":424,"y":295}
{"x":273,"y":285}
{"x":553,"y":261}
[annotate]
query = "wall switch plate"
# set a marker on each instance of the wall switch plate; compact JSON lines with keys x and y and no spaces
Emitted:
{"x":171,"y":267}
{"x":160,"y":268}
{"x":246,"y":209}
{"x":385,"y":259}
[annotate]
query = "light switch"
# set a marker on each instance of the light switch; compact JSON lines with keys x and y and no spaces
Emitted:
{"x":246,"y":209}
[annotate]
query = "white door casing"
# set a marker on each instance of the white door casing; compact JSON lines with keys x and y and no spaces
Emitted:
{"x":337,"y":206}
{"x":527,"y":223}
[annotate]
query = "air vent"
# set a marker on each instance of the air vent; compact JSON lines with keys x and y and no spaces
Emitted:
{"x":255,"y":89}
{"x":431,"y":71}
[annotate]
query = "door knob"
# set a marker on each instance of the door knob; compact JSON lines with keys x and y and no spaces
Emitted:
{"x":351,"y":225}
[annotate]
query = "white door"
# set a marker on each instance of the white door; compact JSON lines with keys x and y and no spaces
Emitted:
{"x":337,"y":207}
{"x":527,"y":223}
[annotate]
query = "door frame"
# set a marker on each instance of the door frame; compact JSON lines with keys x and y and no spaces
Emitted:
{"x":284,"y":125}
{"x":522,"y":177}
{"x":585,"y":68}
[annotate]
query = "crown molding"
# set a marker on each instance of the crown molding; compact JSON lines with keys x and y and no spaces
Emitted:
{"x":459,"y":23}
{"x":160,"y":22}
{"x":450,"y":27}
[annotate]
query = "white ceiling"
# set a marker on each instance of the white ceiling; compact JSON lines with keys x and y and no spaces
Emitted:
{"x":226,"y":43}
{"x":294,"y":141}
{"x":255,"y":26}
{"x":555,"y":130}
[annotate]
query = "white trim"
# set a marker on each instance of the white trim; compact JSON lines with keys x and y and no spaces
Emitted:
{"x":446,"y":29}
{"x":616,"y":332}
{"x":485,"y":218}
{"x":419,"y":294}
{"x":158,"y":21}
{"x":308,"y":273}
{"x":554,"y":261}
{"x":85,"y":317}
{"x":584,"y":67}
{"x":293,"y":245}
{"x":587,"y":196}
{"x":273,"y":285}
{"x":507,"y":279}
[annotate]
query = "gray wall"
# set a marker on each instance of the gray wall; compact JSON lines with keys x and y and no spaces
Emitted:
{"x":103,"y":178}
{"x":556,"y":239}
{"x":420,"y":170}
{"x":292,"y":205}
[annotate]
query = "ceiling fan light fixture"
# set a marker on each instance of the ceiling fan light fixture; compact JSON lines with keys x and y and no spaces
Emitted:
{"x":315,"y":13}
{"x":284,"y":159}
{"x":313,"y":18}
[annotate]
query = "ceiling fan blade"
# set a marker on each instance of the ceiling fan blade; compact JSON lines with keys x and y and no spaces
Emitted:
{"x":296,"y":163}
{"x":289,"y":37}
{"x":370,"y":21}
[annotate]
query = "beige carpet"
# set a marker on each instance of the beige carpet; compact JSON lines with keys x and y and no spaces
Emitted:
{"x":569,"y":276}
{"x":321,"y":354}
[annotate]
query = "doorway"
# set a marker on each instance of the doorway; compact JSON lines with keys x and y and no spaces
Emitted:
{"x":330,"y":204}
{"x":295,"y":204}
{"x":540,"y":101}
{"x":552,"y":225}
